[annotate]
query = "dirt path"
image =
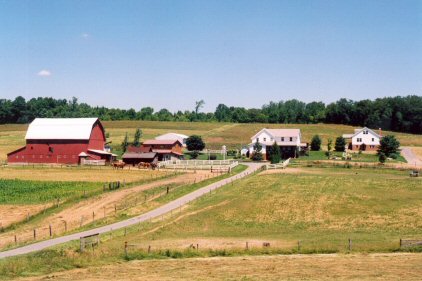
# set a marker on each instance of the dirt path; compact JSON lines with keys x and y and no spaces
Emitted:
{"x":100,"y":206}
{"x":290,"y":267}
{"x":160,"y":211}
{"x":411,"y":158}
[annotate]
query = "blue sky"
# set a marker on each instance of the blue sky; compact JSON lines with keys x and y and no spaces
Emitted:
{"x":243,"y":53}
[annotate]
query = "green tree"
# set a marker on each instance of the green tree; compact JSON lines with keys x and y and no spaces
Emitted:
{"x":198,"y":106}
{"x":125,"y":143}
{"x":274,"y":153}
{"x":195,"y":144}
{"x":137,"y":138}
{"x":257,"y":152}
{"x":329,"y":145}
{"x":381,"y":157}
{"x":340,"y":144}
{"x":316,"y":143}
{"x":389,"y":146}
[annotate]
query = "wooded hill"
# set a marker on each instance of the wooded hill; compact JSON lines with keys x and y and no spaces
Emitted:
{"x":401,"y":114}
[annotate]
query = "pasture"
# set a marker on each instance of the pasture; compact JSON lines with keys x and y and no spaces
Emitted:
{"x":320,"y":207}
{"x":234,"y":135}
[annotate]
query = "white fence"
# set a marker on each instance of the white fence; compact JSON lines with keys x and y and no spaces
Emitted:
{"x":212,"y":165}
{"x":278,"y":166}
{"x":93,"y":162}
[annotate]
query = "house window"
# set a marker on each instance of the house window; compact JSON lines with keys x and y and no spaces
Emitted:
{"x":373,"y":139}
{"x":282,"y":139}
{"x":257,"y":139}
{"x":265,"y":139}
{"x":365,"y":132}
{"x":271,"y":139}
{"x":291,"y":139}
{"x":359,"y":140}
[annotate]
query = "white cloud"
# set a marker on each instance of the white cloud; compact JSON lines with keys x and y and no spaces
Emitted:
{"x":44,"y":73}
{"x":85,"y":35}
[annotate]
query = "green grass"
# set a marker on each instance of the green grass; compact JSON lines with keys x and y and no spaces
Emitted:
{"x":356,"y":157}
{"x":35,"y":192}
{"x":322,"y":209}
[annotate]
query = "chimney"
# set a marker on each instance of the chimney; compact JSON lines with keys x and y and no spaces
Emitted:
{"x":380,"y":132}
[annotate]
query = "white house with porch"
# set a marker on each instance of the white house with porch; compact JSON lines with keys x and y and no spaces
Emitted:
{"x":363,"y":139}
{"x":288,"y":140}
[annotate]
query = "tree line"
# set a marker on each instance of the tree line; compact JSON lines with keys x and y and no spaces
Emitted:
{"x":401,"y":114}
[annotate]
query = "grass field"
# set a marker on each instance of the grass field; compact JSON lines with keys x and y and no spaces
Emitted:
{"x":356,"y":157}
{"x":320,"y":207}
{"x":233,"y":135}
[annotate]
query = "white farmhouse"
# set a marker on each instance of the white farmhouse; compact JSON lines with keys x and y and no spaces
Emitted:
{"x":173,"y":136}
{"x":288,"y":140}
{"x":363,"y":139}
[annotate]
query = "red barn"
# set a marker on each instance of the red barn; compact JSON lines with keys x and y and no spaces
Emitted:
{"x":62,"y":141}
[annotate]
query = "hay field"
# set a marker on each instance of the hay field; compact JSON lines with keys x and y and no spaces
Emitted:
{"x":104,"y":174}
{"x":234,"y":135}
{"x":293,"y":267}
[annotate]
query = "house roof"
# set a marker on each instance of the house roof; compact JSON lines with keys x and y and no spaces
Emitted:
{"x":149,"y":155}
{"x":277,"y":133}
{"x":138,"y":149}
{"x":170,"y":136}
{"x":167,"y":151}
{"x":83,"y":154}
{"x":60,"y":128}
{"x":357,"y":131}
{"x":163,"y":142}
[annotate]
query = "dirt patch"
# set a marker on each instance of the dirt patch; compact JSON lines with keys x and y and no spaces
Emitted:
{"x":293,"y":267}
{"x":10,"y":214}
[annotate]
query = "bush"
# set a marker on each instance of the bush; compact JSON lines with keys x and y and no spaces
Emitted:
{"x":213,"y":157}
{"x":316,"y":143}
{"x":389,"y":145}
{"x":340,"y":145}
{"x":382,"y":158}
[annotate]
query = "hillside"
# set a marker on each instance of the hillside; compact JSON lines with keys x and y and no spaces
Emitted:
{"x":234,"y":135}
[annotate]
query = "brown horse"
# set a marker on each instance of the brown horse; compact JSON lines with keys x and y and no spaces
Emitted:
{"x":119,"y":165}
{"x":144,"y":165}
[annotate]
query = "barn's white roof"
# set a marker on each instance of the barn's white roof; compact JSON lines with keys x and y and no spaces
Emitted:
{"x":60,"y":128}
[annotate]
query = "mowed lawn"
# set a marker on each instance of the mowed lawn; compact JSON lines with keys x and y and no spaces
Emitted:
{"x":320,"y":207}
{"x":233,"y":135}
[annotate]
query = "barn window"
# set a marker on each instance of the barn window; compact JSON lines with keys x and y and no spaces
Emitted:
{"x":50,"y":149}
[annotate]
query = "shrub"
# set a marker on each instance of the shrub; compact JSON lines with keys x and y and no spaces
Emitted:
{"x":340,"y":144}
{"x":316,"y":143}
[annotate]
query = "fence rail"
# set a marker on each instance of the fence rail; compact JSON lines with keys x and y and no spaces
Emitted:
{"x":410,"y":243}
{"x":213,"y":165}
{"x":93,"y":162}
{"x":278,"y":166}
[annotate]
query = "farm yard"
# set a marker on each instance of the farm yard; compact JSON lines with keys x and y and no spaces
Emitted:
{"x":311,"y":207}
{"x":233,"y":135}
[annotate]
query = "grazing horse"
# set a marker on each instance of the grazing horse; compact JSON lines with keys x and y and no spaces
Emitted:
{"x":119,"y":165}
{"x":144,"y":165}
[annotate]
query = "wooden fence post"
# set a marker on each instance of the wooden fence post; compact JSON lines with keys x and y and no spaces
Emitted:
{"x":16,"y":239}
{"x":149,"y":249}
{"x":65,"y":226}
{"x":35,"y":234}
{"x":350,"y":244}
{"x":247,"y":246}
{"x":126,"y":249}
{"x":51,"y":230}
{"x":401,"y":243}
{"x":298,"y":246}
